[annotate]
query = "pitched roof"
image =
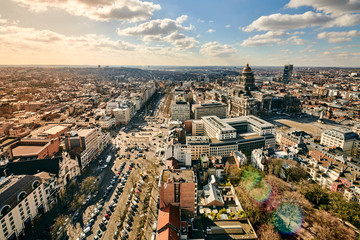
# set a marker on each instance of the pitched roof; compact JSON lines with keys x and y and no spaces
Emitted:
{"x":169,"y":216}
{"x":168,"y":234}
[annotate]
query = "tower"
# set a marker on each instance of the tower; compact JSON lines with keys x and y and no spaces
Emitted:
{"x":247,"y":80}
{"x":287,"y":73}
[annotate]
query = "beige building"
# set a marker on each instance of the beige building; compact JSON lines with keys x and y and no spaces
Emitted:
{"x":210,"y":109}
{"x":22,"y":198}
{"x":198,"y":145}
{"x":343,"y":138}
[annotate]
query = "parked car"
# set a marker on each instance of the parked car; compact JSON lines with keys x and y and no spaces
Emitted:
{"x":102,"y":227}
{"x":95,"y":194}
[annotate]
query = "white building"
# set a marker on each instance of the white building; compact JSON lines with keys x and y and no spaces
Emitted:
{"x":89,"y":142}
{"x":122,"y":115}
{"x":180,"y":111}
{"x":110,"y":106}
{"x":343,"y":138}
{"x":106,"y":122}
{"x":22,"y":198}
{"x":180,"y":152}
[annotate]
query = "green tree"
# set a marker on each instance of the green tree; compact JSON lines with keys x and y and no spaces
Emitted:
{"x":315,"y":194}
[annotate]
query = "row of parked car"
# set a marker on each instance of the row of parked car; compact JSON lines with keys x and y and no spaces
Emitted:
{"x":123,"y":179}
{"x":133,"y":204}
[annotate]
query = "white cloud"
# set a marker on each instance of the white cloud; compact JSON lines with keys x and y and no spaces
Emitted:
{"x":342,"y":54}
{"x":31,"y":40}
{"x":338,"y":37}
{"x":259,"y":42}
{"x":328,"y":6}
{"x":181,"y":40}
{"x":215,"y":49}
{"x":101,"y":10}
{"x":182,"y":18}
{"x":346,"y":20}
{"x":227,"y":26}
{"x":156,"y":27}
{"x":211,"y":30}
{"x":271,"y":38}
{"x":178,"y":40}
{"x":283,"y":22}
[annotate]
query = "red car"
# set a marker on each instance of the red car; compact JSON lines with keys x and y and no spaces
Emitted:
{"x":130,"y":168}
{"x":107,"y":216}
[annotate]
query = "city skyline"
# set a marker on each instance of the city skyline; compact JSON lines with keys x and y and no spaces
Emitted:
{"x":186,"y":33}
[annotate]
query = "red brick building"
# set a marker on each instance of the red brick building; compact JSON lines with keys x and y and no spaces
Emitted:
{"x":33,"y":149}
{"x":178,"y":187}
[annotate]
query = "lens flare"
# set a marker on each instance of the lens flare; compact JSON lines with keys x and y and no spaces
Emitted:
{"x":261,"y":192}
{"x":287,"y":218}
{"x":257,"y":187}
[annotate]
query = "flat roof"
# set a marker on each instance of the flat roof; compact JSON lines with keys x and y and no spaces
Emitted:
{"x":185,"y":174}
{"x":55,"y":130}
{"x":238,"y":137}
{"x":85,"y":132}
{"x":26,"y":150}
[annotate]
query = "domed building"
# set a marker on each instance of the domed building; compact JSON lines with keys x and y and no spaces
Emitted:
{"x":246,"y":82}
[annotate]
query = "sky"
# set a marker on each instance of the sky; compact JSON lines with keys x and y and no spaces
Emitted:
{"x":180,"y":32}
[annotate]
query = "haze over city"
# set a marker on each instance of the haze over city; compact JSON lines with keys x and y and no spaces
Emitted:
{"x":134,"y":32}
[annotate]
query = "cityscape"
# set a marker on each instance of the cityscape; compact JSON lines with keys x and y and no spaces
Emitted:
{"x":139,"y":120}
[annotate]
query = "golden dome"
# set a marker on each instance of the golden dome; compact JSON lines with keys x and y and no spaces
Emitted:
{"x":247,"y":68}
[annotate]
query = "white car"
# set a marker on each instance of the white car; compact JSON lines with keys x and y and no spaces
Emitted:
{"x":96,"y":211}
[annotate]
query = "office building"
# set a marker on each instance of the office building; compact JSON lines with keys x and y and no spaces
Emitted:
{"x":180,"y":111}
{"x":210,"y":109}
{"x":232,"y":134}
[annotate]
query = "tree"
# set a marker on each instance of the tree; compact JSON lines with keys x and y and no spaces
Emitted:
{"x":58,"y":228}
{"x":315,"y":194}
{"x":295,"y":174}
{"x":277,"y":185}
{"x":88,"y":183}
{"x":348,"y":211}
{"x":267,"y":232}
{"x":329,"y":227}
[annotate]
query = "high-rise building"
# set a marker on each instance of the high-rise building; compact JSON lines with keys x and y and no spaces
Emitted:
{"x":287,"y":73}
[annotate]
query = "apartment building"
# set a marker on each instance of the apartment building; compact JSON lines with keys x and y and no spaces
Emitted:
{"x":86,"y":144}
{"x":343,"y":138}
{"x":198,"y":145}
{"x":22,"y":198}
